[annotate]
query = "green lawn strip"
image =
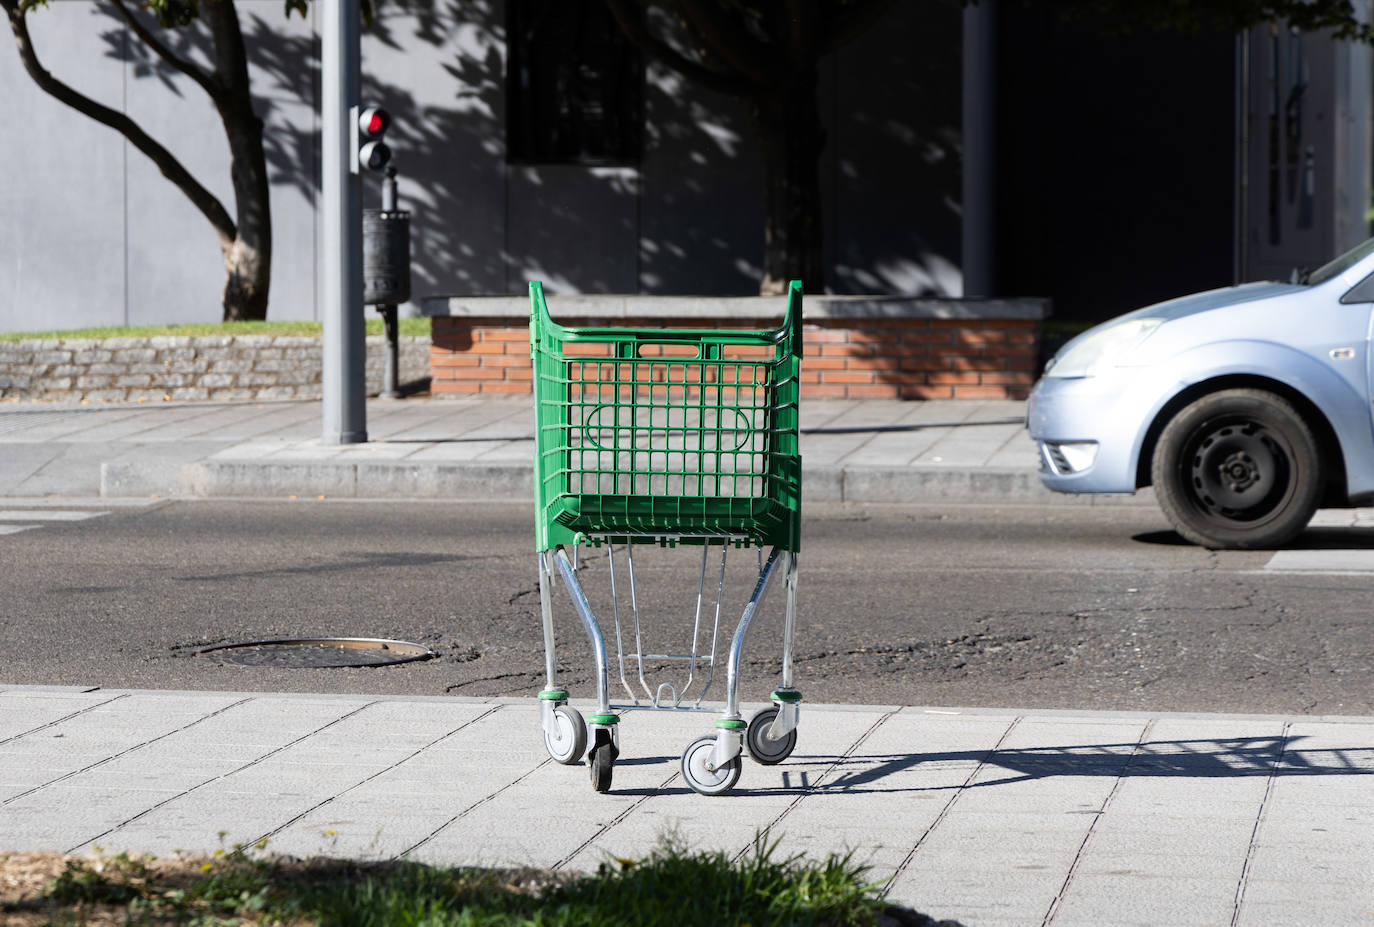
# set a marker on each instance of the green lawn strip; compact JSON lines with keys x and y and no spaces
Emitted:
{"x":668,"y":887}
{"x":407,"y":327}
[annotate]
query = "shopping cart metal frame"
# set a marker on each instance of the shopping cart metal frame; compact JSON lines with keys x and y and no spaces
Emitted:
{"x":676,"y":438}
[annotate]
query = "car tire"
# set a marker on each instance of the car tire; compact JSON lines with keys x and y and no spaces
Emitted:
{"x":1238,"y":469}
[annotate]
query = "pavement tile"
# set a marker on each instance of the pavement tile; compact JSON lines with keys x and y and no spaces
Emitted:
{"x":1144,"y":790}
{"x":1175,"y":827}
{"x":1272,"y":887}
{"x":1146,"y":900}
{"x":1316,"y":841}
{"x":1132,"y":841}
{"x":59,"y":811}
{"x":16,"y":723}
{"x":1312,"y":910}
{"x":1062,"y":794}
{"x":1331,"y":789}
{"x":974,"y":902}
{"x":1098,"y":859}
{"x":21,"y":462}
{"x":1330,"y":865}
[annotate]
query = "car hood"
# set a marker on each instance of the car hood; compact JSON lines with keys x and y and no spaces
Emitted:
{"x":1184,"y":306}
{"x":1212,"y":299}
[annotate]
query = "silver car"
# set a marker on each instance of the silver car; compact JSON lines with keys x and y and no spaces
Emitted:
{"x":1246,"y":407}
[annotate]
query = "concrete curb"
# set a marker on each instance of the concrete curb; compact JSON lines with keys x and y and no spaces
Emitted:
{"x":373,"y":479}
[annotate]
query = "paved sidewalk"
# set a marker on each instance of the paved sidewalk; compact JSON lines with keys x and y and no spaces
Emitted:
{"x":864,"y":451}
{"x":988,"y":817}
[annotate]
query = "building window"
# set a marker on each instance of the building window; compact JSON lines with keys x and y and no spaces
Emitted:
{"x":574,"y":85}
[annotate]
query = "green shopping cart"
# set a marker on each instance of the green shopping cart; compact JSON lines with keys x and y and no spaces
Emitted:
{"x":679,"y":438}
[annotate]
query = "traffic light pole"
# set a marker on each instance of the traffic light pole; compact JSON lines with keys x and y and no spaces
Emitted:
{"x":341,"y":281}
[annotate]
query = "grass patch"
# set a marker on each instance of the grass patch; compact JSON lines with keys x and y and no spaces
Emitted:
{"x":669,"y":887}
{"x":407,"y":327}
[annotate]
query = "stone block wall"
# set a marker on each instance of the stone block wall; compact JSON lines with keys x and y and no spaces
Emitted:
{"x":179,"y":367}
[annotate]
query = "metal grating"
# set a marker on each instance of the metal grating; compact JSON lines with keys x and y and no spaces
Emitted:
{"x":654,"y":428}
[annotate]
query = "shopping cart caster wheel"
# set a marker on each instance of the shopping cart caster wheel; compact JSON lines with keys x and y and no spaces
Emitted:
{"x":601,"y":760}
{"x":568,"y":744}
{"x":765,"y":751}
{"x":694,"y":760}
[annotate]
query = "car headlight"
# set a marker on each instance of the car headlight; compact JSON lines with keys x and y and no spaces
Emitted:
{"x":1096,"y":350}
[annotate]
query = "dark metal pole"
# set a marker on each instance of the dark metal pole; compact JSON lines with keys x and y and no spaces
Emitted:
{"x":344,"y":361}
{"x":390,"y":373}
{"x":980,"y":149}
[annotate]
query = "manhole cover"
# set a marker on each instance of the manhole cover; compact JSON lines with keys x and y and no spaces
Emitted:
{"x":316,"y":652}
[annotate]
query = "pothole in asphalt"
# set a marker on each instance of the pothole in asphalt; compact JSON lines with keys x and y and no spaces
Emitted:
{"x":316,"y":652}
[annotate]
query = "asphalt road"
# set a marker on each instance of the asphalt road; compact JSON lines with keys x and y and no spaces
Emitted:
{"x":1064,"y":606}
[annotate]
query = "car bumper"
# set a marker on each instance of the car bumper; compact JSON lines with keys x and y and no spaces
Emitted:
{"x":1089,"y":431}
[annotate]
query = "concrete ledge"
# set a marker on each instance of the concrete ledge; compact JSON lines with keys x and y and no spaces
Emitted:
{"x":765,"y":308}
{"x":380,"y":479}
{"x":445,"y":481}
{"x":863,"y":484}
{"x":273,"y":479}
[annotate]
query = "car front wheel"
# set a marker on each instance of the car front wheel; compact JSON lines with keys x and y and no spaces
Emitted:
{"x":1237,"y":468}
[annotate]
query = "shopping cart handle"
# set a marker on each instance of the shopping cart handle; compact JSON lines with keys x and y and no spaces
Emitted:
{"x":542,"y":323}
{"x":794,"y":317}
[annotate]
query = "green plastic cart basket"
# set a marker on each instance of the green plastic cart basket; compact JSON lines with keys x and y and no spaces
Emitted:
{"x":671,"y":432}
{"x":667,"y":436}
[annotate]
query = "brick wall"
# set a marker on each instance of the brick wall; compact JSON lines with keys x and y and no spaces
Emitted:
{"x":906,"y":358}
{"x":476,"y":355}
{"x":165,"y":368}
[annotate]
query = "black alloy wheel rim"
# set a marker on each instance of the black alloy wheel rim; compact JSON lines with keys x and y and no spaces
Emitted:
{"x":1238,"y":470}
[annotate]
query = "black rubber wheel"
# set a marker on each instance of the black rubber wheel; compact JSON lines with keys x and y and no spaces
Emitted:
{"x":601,"y":760}
{"x":1238,"y":469}
{"x":765,"y":751}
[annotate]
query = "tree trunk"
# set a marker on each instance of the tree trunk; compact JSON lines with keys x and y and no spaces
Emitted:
{"x":248,"y":256}
{"x":248,"y":274}
{"x":791,"y":139}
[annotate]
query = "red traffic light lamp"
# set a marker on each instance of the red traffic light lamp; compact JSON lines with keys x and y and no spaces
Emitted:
{"x":372,"y":152}
{"x":373,"y":122}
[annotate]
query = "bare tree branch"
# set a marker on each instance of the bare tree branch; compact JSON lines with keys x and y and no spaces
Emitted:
{"x":171,"y":168}
{"x":206,"y":82}
{"x":626,"y":13}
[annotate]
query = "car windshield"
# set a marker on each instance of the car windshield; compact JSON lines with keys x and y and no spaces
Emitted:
{"x":1340,"y":264}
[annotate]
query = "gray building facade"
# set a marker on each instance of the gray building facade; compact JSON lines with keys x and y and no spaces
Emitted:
{"x":91,"y":233}
{"x":1124,"y":169}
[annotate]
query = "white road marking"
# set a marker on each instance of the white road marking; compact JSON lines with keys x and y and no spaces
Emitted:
{"x":43,"y":515}
{"x":49,"y":515}
{"x":1322,"y":561}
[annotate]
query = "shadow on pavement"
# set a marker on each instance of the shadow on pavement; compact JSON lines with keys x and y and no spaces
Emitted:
{"x":1311,"y":539}
{"x":879,"y":429}
{"x":1241,"y":757}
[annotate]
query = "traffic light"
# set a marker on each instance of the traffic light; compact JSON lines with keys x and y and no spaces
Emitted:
{"x":371,"y":152}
